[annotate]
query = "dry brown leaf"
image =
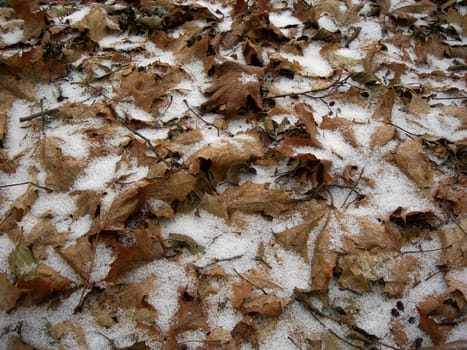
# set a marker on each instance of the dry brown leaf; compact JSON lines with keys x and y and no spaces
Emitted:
{"x":418,"y":106}
{"x":360,"y":268}
{"x":34,"y":18}
{"x":173,"y":187}
{"x":232,"y":88}
{"x":342,"y":124}
{"x":373,"y":235}
{"x":16,"y":343}
{"x":69,"y":329}
{"x":240,"y":292}
{"x":289,"y":143}
{"x":261,"y":280}
{"x":414,"y":163}
{"x":322,"y":341}
{"x":454,"y":243}
{"x":9,"y":294}
{"x":384,"y":108}
{"x":61,"y":170}
{"x":266,"y":305}
{"x":45,"y":283}
{"x":133,"y":248}
{"x":80,"y":256}
{"x":296,"y":238}
{"x":455,"y":282}
{"x":97,"y":24}
{"x":126,"y":301}
{"x":456,"y":345}
{"x":437,"y":333}
{"x":306,"y":117}
{"x":400,"y":276}
{"x":189,"y":316}
{"x":19,"y":208}
{"x":125,"y":204}
{"x":223,"y":155}
{"x":245,"y":330}
{"x":398,"y":332}
{"x":255,"y":198}
{"x":324,"y":259}
{"x":145,"y":88}
{"x":382,"y":135}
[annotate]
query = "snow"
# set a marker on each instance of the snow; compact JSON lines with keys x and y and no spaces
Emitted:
{"x":232,"y":246}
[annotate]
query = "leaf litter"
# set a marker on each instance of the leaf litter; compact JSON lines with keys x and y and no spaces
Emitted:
{"x":233,"y":175}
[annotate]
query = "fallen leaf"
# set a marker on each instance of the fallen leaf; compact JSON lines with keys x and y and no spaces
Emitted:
{"x":22,"y":264}
{"x":398,"y":332}
{"x":400,"y":275}
{"x":384,"y":108}
{"x":96,"y":23}
{"x":296,"y":238}
{"x":242,"y":148}
{"x":192,"y":245}
{"x":232,"y":88}
{"x":456,"y":345}
{"x":71,"y":330}
{"x":261,"y":280}
{"x":342,"y":124}
{"x":19,"y":208}
{"x":322,"y":341}
{"x":414,"y":163}
{"x":9,"y":294}
{"x":173,"y":187}
{"x":255,"y":198}
{"x":189,"y":316}
{"x":133,"y":248}
{"x":62,"y":171}
{"x":246,"y":331}
{"x":125,"y":204}
{"x":265,"y":305}
{"x":418,"y":106}
{"x":438,"y":333}
{"x":16,"y":343}
{"x":80,"y":256}
{"x":373,"y":235}
{"x":240,"y":292}
{"x":382,"y":135}
{"x":454,"y":243}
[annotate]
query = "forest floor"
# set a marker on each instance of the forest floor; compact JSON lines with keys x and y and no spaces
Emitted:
{"x":233,"y":175}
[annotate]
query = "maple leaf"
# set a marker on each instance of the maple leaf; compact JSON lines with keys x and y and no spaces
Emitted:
{"x":80,"y":255}
{"x":234,"y":86}
{"x":173,"y":187}
{"x":414,"y":163}
{"x":125,"y":204}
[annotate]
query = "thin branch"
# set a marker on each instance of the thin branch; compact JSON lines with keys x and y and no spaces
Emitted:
{"x":426,"y":251}
{"x":307,"y":93}
{"x":50,"y":112}
{"x":200,"y":118}
{"x":294,"y":343}
{"x":27,"y":183}
{"x":406,"y":131}
{"x":353,"y":187}
{"x":216,"y":260}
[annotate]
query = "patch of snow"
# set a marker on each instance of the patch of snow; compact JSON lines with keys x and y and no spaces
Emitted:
{"x":98,"y":174}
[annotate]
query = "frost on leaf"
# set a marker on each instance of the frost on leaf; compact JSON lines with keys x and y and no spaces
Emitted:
{"x":232,"y":94}
{"x":414,"y":163}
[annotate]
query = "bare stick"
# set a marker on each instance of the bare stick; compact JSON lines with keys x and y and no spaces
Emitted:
{"x":426,"y":251}
{"x":200,"y":118}
{"x":294,"y":343}
{"x":216,"y":260}
{"x":353,"y":187}
{"x":50,"y":112}
{"x":27,"y":183}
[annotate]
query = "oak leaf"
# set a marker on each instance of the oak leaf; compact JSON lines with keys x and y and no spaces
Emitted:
{"x":234,"y":86}
{"x":414,"y":163}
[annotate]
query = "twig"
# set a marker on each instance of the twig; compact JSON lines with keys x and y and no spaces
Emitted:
{"x":216,"y":260}
{"x":307,"y":93}
{"x":137,"y":133}
{"x":406,"y":131}
{"x":247,"y":280}
{"x":353,"y":187}
{"x":49,"y":112}
{"x":433,"y":274}
{"x":294,"y":343}
{"x":27,"y":183}
{"x":200,"y":118}
{"x":426,"y":251}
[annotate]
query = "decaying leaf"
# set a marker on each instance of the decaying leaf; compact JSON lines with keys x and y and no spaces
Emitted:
{"x":133,"y":248}
{"x":9,"y":294}
{"x":384,"y":108}
{"x":61,"y":170}
{"x":454,"y":243}
{"x":246,"y":331}
{"x":296,"y":238}
{"x":342,"y":124}
{"x":22,"y":263}
{"x":189,"y":316}
{"x":125,"y":204}
{"x":233,"y":88}
{"x":96,"y":23}
{"x":438,"y":333}
{"x":398,"y":333}
{"x":266,"y":305}
{"x":223,"y":155}
{"x":414,"y":163}
{"x":322,"y":340}
{"x":252,"y":198}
